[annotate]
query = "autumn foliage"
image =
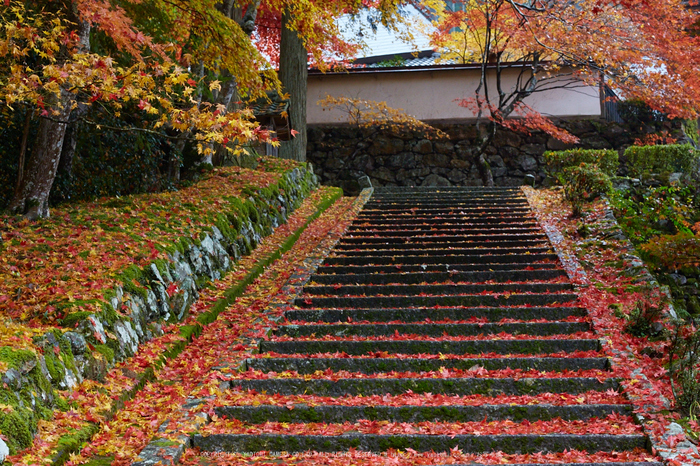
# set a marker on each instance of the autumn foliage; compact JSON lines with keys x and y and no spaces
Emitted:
{"x":643,"y":50}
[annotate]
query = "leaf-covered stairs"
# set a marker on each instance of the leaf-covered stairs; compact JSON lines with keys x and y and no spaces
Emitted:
{"x":441,"y":322}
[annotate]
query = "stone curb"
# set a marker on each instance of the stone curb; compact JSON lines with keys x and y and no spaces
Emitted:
{"x":157,"y":452}
{"x":493,"y":314}
{"x":454,"y":386}
{"x":420,"y":442}
{"x":634,"y":266}
{"x":337,"y":414}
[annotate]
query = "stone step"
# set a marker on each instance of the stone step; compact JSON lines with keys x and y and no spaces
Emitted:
{"x":466,"y":300}
{"x":383,"y":191}
{"x":338,"y":414}
{"x":412,"y":278}
{"x":358,"y":347}
{"x":374,"y":365}
{"x":445,"y":245}
{"x":422,"y":210}
{"x":348,"y":240}
{"x":437,"y":443}
{"x":447,"y":386}
{"x":435,"y":232}
{"x":440,"y":252}
{"x":434,"y":268}
{"x":437,"y":213}
{"x":390,"y":314}
{"x":431,"y":329}
{"x":443,"y":260}
{"x":417,"y":314}
{"x":457,"y":221}
{"x":452,"y":289}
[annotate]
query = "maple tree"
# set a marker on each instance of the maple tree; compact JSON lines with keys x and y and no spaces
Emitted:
{"x":187,"y":65}
{"x":643,"y":50}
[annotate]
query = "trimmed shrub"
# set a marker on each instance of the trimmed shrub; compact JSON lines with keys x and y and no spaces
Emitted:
{"x":585,"y":182}
{"x":643,"y":160}
{"x":558,"y":162}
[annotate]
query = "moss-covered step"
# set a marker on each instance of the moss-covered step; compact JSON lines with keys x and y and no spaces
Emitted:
{"x":456,"y":208}
{"x":420,"y":290}
{"x":426,"y":216}
{"x":441,"y":252}
{"x":454,"y":386}
{"x":439,"y":443}
{"x":384,"y":365}
{"x":440,"y":239}
{"x":463,"y":224}
{"x":466,"y":300}
{"x":446,"y":258}
{"x":458,"y":220}
{"x":434,"y":268}
{"x":417,"y":244}
{"x":418,"y":314}
{"x":409,"y":278}
{"x":429,"y":329}
{"x":430,"y":347}
{"x":339,"y":414}
{"x":420,"y":232}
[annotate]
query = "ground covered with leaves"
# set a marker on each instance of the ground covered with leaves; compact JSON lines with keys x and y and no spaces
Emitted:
{"x":241,"y":314}
{"x":613,"y":286}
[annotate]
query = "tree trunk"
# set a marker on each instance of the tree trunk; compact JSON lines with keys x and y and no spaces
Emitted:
{"x":32,"y":199}
{"x":70,"y":144}
{"x":293,"y":72}
{"x":486,"y":135}
{"x":23,"y":152}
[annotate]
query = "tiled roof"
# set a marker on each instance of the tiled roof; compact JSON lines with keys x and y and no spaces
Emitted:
{"x":382,"y":42}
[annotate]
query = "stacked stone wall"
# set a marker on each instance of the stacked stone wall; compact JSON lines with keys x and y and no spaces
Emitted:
{"x":343,"y":154}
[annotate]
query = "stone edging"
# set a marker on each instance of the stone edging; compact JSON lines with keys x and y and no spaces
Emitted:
{"x":159,"y":451}
{"x":634,"y":267}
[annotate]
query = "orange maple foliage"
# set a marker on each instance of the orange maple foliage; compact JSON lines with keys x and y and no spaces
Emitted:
{"x":641,"y":49}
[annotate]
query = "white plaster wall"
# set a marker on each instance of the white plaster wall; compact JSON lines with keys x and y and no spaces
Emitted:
{"x":429,"y":95}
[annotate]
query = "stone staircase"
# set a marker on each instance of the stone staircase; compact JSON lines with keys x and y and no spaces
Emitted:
{"x":441,"y":320}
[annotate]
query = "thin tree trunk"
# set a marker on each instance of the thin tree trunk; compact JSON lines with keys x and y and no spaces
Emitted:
{"x":293,"y":73}
{"x":32,"y":199}
{"x":486,"y":136}
{"x":70,"y":143}
{"x":23,"y":151}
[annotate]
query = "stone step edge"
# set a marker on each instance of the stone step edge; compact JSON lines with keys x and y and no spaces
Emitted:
{"x":456,"y":386}
{"x":370,"y":365}
{"x":465,"y":329}
{"x":333,"y":414}
{"x":373,"y":314}
{"x":374,"y":442}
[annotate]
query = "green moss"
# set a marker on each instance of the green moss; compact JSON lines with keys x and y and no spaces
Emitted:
{"x":18,"y":427}
{"x":72,"y":320}
{"x":54,"y":366}
{"x":187,"y":331}
{"x":165,"y":443}
{"x":61,"y":404}
{"x":16,"y":359}
{"x":132,"y":279}
{"x":105,"y":351}
{"x":100,"y":461}
{"x":108,"y":314}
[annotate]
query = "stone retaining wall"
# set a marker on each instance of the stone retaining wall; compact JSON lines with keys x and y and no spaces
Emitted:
{"x":343,"y":154}
{"x":131,"y":315}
